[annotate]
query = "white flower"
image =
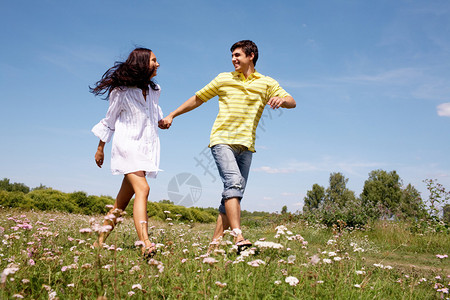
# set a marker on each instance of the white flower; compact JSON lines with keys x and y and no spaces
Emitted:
{"x":131,"y":293}
{"x":357,"y":286}
{"x":327,"y":260}
{"x":262,"y":244}
{"x":136,"y":286}
{"x":361,"y":272}
{"x":220,"y":284}
{"x":332,"y":254}
{"x":293,"y":281}
{"x":337,"y":258}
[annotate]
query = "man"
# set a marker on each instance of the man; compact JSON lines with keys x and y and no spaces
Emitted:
{"x":243,"y":95}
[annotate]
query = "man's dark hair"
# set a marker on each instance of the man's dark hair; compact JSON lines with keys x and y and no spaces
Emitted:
{"x":248,"y":47}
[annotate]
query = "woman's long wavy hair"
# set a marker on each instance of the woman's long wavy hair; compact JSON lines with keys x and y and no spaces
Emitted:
{"x":135,"y":71}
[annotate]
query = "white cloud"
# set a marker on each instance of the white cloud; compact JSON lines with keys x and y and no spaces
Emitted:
{"x":443,"y":110}
{"x":271,"y":170}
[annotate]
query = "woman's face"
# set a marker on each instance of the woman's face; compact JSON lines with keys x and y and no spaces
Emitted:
{"x":153,"y":64}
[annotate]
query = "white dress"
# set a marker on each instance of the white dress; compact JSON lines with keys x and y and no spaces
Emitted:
{"x":134,"y":123}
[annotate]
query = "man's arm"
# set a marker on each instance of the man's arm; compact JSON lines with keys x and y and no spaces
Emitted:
{"x":285,"y":102}
{"x":187,"y":106}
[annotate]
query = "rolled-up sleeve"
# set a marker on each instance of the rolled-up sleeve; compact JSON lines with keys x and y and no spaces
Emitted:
{"x":104,"y":130}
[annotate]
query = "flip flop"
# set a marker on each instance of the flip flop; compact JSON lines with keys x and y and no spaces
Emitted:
{"x":149,"y":252}
{"x":243,"y":244}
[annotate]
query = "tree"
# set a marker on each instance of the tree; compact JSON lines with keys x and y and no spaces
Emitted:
{"x":314,"y":198}
{"x":284,"y":210}
{"x":13,"y":187}
{"x":382,"y":193}
{"x":337,"y":192}
{"x":411,"y":204}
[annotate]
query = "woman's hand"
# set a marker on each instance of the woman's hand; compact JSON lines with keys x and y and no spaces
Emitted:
{"x":99,"y":155}
{"x":165,"y":123}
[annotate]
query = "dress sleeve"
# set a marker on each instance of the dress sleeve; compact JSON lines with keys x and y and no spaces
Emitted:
{"x":160,"y":113}
{"x":104,"y":130}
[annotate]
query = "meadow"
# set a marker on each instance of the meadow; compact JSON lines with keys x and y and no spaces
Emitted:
{"x":49,"y":255}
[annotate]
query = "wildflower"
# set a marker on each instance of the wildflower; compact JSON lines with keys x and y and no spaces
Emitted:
{"x":85,"y":230}
{"x":131,"y":293}
{"x":107,"y":267}
{"x":337,"y":258}
{"x":31,"y":262}
{"x":71,"y":285}
{"x":10,"y":270}
{"x":19,"y":296}
{"x":139,"y":243}
{"x":185,"y":251}
{"x":268,"y":245}
{"x":109,"y":206}
{"x":319,"y":281}
{"x":357,"y":286}
{"x":314,"y":259}
{"x":441,"y":256}
{"x":168,"y":219}
{"x":220,"y":284}
{"x":183,"y":260}
{"x":25,"y":281}
{"x":209,"y":260}
{"x":327,"y":260}
{"x":136,"y":286}
{"x":291,"y":259}
{"x":332,"y":254}
{"x":167,"y":212}
{"x":331,"y":242}
{"x":256,"y":263}
{"x":86,"y":266}
{"x":293,"y":281}
{"x":277,"y":282}
{"x":443,"y":290}
{"x":361,"y":272}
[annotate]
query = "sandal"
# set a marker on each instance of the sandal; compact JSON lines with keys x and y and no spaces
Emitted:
{"x":149,"y":252}
{"x":243,"y":245}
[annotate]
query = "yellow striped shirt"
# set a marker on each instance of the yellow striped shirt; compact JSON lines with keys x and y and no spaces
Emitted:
{"x":241,"y":104}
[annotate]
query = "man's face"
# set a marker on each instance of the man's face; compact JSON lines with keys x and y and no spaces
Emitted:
{"x":240,"y":61}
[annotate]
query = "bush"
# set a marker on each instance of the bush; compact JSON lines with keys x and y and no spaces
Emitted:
{"x":15,"y":200}
{"x":50,"y":199}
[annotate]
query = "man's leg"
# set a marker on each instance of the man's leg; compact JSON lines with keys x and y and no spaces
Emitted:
{"x":222,"y":224}
{"x":233,"y":209}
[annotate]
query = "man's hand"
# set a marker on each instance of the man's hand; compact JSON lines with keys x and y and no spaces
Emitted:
{"x":277,"y":102}
{"x":165,"y":123}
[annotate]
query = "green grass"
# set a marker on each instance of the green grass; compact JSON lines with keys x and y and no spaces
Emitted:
{"x":50,"y":258}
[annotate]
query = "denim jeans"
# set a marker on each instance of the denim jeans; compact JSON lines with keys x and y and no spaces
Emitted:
{"x":233,"y":163}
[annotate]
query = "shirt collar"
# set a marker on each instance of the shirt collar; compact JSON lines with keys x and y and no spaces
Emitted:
{"x":241,"y":76}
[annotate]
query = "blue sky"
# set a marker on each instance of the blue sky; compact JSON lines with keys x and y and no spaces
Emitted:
{"x":371,"y":80}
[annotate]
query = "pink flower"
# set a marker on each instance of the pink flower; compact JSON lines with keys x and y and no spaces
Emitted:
{"x":209,"y":260}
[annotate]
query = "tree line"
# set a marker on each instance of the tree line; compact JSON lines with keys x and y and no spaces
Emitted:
{"x":18,"y":195}
{"x":383,"y":197}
